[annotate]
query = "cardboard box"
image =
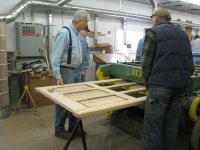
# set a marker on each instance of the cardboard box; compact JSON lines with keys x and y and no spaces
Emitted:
{"x":39,"y":99}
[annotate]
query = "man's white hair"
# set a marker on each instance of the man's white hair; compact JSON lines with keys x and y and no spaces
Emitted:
{"x":81,"y":14}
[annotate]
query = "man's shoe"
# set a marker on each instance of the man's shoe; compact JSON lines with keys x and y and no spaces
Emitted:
{"x":62,"y":134}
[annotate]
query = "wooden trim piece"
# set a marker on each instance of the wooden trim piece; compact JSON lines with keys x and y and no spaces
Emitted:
{"x":103,"y":101}
{"x":111,"y":91}
{"x":60,"y":99}
{"x":121,"y":85}
{"x":109,"y":107}
{"x":106,"y":81}
{"x":133,"y":90}
{"x":83,"y":90}
{"x":92,"y":97}
{"x":53,"y":87}
{"x":72,"y":86}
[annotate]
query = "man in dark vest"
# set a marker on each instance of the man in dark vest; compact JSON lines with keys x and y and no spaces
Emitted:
{"x":167,"y":66}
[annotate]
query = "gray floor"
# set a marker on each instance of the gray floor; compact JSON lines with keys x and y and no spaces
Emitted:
{"x":28,"y":131}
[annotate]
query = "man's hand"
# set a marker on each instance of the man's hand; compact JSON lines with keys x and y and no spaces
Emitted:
{"x":82,"y":73}
{"x":59,"y":82}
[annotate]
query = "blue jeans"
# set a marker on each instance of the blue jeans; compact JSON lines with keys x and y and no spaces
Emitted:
{"x":196,"y":60}
{"x":68,"y":76}
{"x":161,"y":118}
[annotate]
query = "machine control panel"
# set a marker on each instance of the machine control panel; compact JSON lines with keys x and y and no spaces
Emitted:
{"x":30,"y":41}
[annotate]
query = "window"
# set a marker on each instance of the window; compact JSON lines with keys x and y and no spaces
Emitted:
{"x":127,"y":41}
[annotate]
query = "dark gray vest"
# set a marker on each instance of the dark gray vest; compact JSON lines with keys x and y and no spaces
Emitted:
{"x":172,"y":65}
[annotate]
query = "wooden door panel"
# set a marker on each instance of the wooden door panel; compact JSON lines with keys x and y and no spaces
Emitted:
{"x":88,"y":98}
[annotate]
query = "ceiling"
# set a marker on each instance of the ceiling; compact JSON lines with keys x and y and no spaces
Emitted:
{"x":5,"y":7}
{"x":180,"y":5}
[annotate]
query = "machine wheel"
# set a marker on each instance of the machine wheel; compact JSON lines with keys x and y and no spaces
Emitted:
{"x":193,"y":108}
{"x":195,"y":137}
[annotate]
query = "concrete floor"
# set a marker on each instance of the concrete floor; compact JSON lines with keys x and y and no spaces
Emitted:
{"x":28,"y":131}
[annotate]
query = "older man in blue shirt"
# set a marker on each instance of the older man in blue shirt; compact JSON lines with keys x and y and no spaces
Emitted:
{"x":66,"y":58}
{"x":85,"y":53}
{"x":139,"y":49}
{"x":195,"y":45}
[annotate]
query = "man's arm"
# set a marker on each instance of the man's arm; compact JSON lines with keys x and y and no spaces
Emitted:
{"x":148,"y":56}
{"x":85,"y":55}
{"x":139,"y":49}
{"x":57,"y":52}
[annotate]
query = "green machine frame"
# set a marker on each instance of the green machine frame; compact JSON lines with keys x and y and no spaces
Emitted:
{"x":189,"y":120}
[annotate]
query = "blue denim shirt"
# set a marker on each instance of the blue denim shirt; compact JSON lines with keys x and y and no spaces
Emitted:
{"x":85,"y":54}
{"x":195,"y":45}
{"x":139,"y":49}
{"x":59,"y":52}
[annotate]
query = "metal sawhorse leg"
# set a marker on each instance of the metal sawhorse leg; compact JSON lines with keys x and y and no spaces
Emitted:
{"x":78,"y":124}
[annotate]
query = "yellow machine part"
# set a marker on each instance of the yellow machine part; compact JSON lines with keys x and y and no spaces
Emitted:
{"x":193,"y":108}
{"x":143,"y":92}
{"x":100,"y":75}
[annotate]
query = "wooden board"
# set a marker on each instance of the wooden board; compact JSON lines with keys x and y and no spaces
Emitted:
{"x":89,"y":98}
{"x":110,"y":58}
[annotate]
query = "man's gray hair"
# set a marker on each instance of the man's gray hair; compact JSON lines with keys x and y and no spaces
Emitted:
{"x":81,"y":14}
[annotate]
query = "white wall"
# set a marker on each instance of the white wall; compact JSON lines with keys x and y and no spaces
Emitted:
{"x":105,"y":23}
{"x":185,"y":16}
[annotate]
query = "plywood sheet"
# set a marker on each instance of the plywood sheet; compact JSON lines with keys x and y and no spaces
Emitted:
{"x":89,"y":98}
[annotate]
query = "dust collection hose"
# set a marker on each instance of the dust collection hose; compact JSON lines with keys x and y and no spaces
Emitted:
{"x":193,"y":109}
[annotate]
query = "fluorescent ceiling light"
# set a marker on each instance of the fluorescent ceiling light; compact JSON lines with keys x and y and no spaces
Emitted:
{"x":195,"y":2}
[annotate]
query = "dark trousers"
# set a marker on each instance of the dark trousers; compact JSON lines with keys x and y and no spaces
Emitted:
{"x":161,"y":118}
{"x":83,"y":78}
